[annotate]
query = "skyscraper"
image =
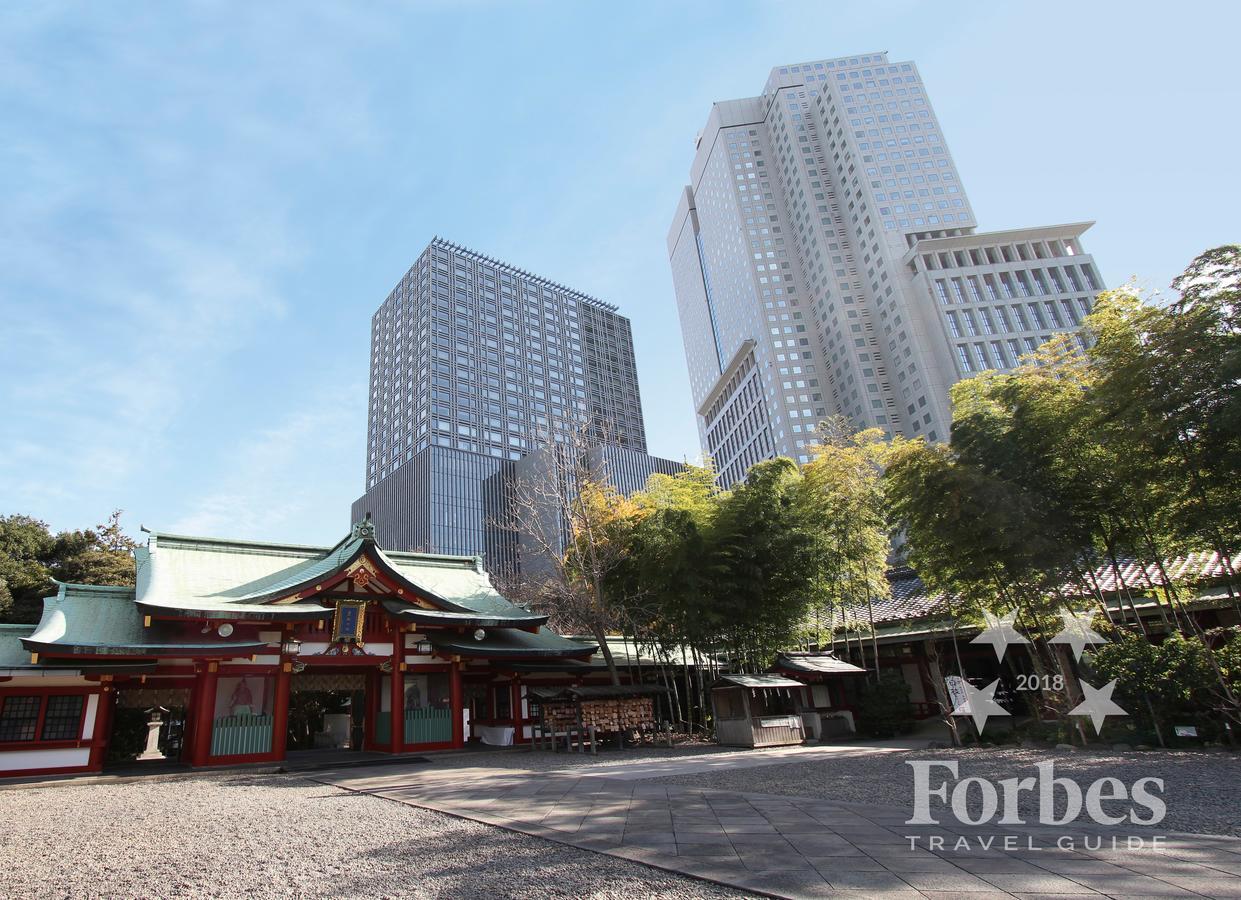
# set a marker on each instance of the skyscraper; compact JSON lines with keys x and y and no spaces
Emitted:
{"x":474,"y":362}
{"x":826,"y":262}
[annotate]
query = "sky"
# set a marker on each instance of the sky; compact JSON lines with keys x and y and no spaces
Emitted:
{"x":202,"y":204}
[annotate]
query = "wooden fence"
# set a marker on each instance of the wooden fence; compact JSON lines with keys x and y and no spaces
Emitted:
{"x":237,"y":735}
{"x":422,"y":726}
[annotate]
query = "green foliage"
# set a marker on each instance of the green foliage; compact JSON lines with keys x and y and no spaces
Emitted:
{"x":1167,"y":683}
{"x":767,"y":553}
{"x":31,"y":556}
{"x":884,"y":710}
{"x":25,"y":547}
{"x":1121,"y":441}
{"x":730,"y":573}
{"x":842,"y":496}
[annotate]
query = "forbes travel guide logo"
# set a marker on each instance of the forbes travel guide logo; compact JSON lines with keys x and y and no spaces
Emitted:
{"x":939,"y":790}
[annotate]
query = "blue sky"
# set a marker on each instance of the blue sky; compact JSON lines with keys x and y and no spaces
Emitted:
{"x":203,"y":203}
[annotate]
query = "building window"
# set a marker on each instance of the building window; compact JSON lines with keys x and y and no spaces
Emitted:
{"x":62,"y":718}
{"x":51,"y":717}
{"x":18,"y":718}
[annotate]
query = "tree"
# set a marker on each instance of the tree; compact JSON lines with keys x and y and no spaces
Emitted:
{"x":1169,"y":388}
{"x":31,"y":557}
{"x":765,"y":557}
{"x":25,"y":547}
{"x":842,"y":494}
{"x":574,"y":532}
{"x":1165,"y":683}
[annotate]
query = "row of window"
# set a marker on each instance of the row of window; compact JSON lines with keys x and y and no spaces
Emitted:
{"x":1018,"y":283}
{"x":41,"y":717}
{"x":998,"y":320}
{"x":996,"y":354}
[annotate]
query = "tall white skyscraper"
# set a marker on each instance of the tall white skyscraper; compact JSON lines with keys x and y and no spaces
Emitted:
{"x":826,"y":261}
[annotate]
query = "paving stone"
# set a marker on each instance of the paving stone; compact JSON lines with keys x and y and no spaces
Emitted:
{"x":762,"y":843}
{"x":796,"y":847}
{"x":828,"y":864}
{"x":1043,"y":883}
{"x":654,"y":842}
{"x":1223,"y":887}
{"x":870,"y":882}
{"x":900,"y":865}
{"x":1132,"y":885}
{"x":958,"y":881}
{"x":1004,"y":865}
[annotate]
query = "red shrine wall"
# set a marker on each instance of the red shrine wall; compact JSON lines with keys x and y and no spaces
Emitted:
{"x":51,"y":728}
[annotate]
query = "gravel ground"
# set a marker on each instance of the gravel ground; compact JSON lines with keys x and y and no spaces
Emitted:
{"x":1202,"y":790}
{"x":282,"y":836}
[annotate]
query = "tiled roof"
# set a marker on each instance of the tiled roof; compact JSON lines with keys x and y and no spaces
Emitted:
{"x":910,"y":599}
{"x":180,"y":576}
{"x":1194,"y":567}
{"x":818,"y":663}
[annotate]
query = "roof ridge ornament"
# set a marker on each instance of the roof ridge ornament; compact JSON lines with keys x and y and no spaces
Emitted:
{"x":365,"y":530}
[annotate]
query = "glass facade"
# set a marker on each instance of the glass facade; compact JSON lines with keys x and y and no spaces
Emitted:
{"x":474,"y":363}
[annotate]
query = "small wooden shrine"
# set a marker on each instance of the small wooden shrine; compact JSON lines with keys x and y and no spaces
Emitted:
{"x":758,"y":710}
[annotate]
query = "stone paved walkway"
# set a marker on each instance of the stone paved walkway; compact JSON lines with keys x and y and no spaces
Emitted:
{"x":699,"y":763}
{"x":805,"y":847}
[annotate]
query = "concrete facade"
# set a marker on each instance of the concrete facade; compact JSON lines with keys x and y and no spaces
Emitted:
{"x":474,"y":363}
{"x":826,"y":261}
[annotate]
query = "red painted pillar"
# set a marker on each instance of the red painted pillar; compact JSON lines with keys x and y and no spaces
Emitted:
{"x":515,"y":705}
{"x":103,"y":726}
{"x":204,"y":713}
{"x":455,"y":696}
{"x":397,"y":681}
{"x":374,"y":684}
{"x":280,"y":711}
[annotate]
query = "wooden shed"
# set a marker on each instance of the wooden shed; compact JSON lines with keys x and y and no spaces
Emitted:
{"x":828,"y":713}
{"x":758,"y":710}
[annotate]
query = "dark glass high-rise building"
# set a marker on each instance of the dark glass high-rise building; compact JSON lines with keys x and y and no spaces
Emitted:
{"x":473,"y":363}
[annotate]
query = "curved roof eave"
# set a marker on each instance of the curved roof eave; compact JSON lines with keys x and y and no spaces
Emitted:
{"x":510,"y":644}
{"x":294,"y":612}
{"x":422,"y":616}
{"x":153,"y":651}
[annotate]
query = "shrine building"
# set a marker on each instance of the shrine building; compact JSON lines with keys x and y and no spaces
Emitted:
{"x":243,"y":651}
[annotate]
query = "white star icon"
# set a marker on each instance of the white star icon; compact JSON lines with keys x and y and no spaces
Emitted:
{"x":999,"y":633}
{"x":1098,"y":704}
{"x":980,"y":704}
{"x":1077,"y":633}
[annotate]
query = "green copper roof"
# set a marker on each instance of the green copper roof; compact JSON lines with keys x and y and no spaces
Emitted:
{"x":419,"y":616}
{"x":12,"y":654}
{"x":87,"y":614}
{"x":211,"y":577}
{"x":508,"y":642}
{"x":207,"y":575}
{"x":206,"y":578}
{"x":105,"y":621}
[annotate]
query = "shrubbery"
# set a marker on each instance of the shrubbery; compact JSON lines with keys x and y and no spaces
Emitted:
{"x":884,"y":710}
